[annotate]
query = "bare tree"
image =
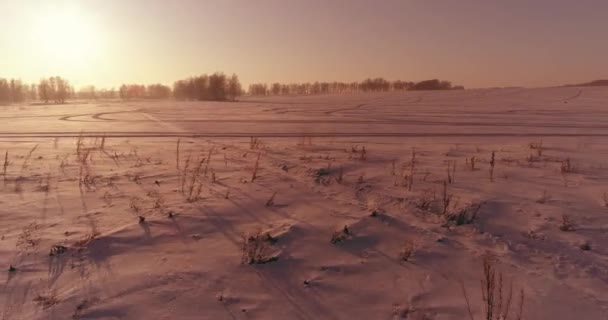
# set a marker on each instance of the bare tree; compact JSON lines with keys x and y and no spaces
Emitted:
{"x":234,"y":87}
{"x":44,"y":90}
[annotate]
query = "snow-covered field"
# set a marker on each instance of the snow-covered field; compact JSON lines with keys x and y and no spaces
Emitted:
{"x":365,"y":206}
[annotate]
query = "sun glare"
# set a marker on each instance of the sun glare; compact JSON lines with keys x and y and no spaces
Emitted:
{"x":66,"y":37}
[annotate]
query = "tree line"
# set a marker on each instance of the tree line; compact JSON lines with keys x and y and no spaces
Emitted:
{"x":215,"y":87}
{"x":206,"y":87}
{"x":54,"y":89}
{"x":14,"y":91}
{"x":59,"y":90}
{"x":367,"y":85}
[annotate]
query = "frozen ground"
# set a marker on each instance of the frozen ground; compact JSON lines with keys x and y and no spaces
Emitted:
{"x":69,"y":192}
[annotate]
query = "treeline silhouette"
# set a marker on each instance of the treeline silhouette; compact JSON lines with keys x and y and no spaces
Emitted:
{"x":53,"y":89}
{"x":367,"y":85}
{"x":595,"y":83}
{"x":126,"y":92}
{"x":92,"y":93}
{"x":215,"y":87}
{"x":13,"y":91}
{"x":138,"y":91}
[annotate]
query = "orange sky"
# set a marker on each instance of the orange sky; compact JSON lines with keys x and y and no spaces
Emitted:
{"x":477,"y":43}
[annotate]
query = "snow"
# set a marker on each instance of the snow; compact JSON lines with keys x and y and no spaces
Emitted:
{"x":189,"y":266}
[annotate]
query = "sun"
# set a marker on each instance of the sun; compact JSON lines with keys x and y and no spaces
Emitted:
{"x":66,"y":37}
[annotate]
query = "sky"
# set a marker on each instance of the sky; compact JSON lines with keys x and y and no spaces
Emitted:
{"x":476,"y":43}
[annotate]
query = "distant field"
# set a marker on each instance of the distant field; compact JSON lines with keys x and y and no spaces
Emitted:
{"x":361,"y":206}
{"x":475,"y":113}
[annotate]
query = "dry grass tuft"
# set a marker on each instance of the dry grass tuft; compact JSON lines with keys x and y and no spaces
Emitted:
{"x":567,"y":167}
{"x":410,"y":184}
{"x":86,"y":240}
{"x":544,"y":197}
{"x":27,"y":157}
{"x":496,"y":298}
{"x":425,"y":200}
{"x":158,"y":203}
{"x":46,"y":301}
{"x":257,"y":249}
{"x":451,"y":171}
{"x":254,"y":143}
{"x":566,"y":224}
{"x":196,"y":184}
{"x":407,"y":250}
{"x":464,"y":216}
{"x":340,"y":235}
{"x":29,"y":236}
{"x":492,"y":165}
{"x":5,"y":167}
{"x":177,"y":154}
{"x":538,"y":146}
{"x":57,"y":250}
{"x":135,"y":204}
{"x":305,"y":140}
{"x":447,"y":198}
{"x":256,"y":167}
{"x":270,"y":201}
{"x":363,"y":156}
{"x":471,"y":162}
{"x":340,"y":177}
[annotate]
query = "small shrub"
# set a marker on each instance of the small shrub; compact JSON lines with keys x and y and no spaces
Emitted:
{"x":464,"y":216}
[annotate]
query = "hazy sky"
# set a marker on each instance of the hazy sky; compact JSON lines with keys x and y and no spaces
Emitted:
{"x":476,"y":43}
